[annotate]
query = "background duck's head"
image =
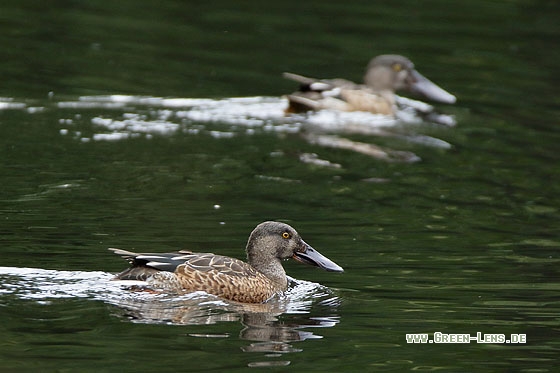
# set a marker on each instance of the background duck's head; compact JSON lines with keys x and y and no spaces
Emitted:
{"x":390,"y":72}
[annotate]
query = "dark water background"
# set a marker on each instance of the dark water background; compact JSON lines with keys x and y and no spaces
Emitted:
{"x":464,"y":241}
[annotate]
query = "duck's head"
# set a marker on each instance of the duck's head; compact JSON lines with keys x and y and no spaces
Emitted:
{"x":390,"y":72}
{"x":274,"y":241}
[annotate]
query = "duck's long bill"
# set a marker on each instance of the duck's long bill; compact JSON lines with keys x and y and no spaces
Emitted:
{"x":425,"y":87}
{"x":309,"y":255}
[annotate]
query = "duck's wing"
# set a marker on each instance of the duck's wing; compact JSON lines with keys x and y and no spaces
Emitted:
{"x":317,"y":94}
{"x":144,"y":265}
{"x":319,"y":85}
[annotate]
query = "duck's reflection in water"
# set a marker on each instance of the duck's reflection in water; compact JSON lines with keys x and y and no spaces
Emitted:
{"x":274,"y":337}
{"x":271,"y":327}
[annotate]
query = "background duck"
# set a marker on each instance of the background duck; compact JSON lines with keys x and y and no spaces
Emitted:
{"x":253,"y":282}
{"x":384,"y":75}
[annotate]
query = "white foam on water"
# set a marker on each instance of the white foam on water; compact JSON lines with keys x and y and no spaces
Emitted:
{"x":124,"y":117}
{"x":44,"y":286}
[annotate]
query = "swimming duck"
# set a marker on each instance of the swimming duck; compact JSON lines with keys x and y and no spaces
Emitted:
{"x":385,"y":74}
{"x":253,"y":282}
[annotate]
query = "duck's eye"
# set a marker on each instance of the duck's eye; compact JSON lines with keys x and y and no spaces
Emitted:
{"x":286,"y":235}
{"x":397,"y":67}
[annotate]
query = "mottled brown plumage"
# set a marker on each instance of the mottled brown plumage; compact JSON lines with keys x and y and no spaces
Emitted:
{"x":385,"y":75}
{"x":253,"y":282}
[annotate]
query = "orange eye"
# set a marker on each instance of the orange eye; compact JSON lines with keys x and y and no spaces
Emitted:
{"x":286,"y":235}
{"x":397,"y":67}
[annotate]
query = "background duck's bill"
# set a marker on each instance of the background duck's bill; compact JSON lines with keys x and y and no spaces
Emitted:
{"x":425,"y":87}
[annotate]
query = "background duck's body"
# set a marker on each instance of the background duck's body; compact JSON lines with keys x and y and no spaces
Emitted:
{"x":385,"y":75}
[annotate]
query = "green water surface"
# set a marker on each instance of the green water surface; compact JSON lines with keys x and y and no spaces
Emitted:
{"x":464,"y":241}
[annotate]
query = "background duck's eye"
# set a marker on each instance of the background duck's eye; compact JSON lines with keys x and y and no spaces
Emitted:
{"x":286,"y":235}
{"x":397,"y":67}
